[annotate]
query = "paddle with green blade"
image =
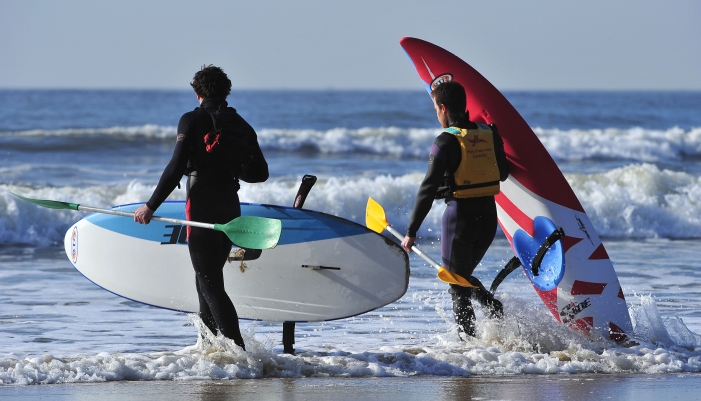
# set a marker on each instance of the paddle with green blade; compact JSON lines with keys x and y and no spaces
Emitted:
{"x":376,"y":220}
{"x":250,"y":232}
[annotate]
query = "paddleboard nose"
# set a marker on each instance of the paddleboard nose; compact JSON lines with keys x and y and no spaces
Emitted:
{"x":70,"y":244}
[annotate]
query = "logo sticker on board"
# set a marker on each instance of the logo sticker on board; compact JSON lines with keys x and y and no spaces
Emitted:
{"x":440,"y":79}
{"x":583,"y":229}
{"x":74,"y":245}
{"x":437,"y":80}
{"x":572,"y":309}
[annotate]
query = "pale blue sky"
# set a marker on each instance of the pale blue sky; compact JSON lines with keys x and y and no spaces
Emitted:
{"x":351,"y":44}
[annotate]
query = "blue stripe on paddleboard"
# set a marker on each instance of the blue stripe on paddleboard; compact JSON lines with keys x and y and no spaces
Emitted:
{"x":298,"y":225}
{"x":428,"y":87}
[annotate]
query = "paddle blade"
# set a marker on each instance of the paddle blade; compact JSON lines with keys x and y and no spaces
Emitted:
{"x":51,"y":204}
{"x":375,"y":218}
{"x":449,"y":277}
{"x":252,"y":232}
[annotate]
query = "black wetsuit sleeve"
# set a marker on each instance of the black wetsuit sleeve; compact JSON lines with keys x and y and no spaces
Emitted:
{"x":444,"y":152}
{"x":178,"y":162}
{"x":500,"y":154}
{"x":257,"y":169}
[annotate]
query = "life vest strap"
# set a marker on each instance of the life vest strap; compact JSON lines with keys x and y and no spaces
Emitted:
{"x":480,"y":185}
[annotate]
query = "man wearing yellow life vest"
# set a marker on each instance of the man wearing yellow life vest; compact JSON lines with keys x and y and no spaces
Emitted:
{"x":466,"y":164}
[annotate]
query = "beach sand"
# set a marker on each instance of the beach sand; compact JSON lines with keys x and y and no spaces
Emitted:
{"x":556,"y":387}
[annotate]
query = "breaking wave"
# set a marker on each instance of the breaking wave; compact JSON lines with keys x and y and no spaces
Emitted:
{"x":633,"y":144}
{"x":636,"y":201}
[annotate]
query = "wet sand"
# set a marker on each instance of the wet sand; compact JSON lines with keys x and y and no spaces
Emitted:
{"x":557,"y":387}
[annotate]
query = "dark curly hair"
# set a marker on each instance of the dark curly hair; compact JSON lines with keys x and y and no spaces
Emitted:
{"x":452,"y":95}
{"x":211,"y":82}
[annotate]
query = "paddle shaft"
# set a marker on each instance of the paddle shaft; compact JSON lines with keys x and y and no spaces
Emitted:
{"x":155,"y":218}
{"x":414,"y":248}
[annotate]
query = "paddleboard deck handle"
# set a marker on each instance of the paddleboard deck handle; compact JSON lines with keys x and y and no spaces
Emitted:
{"x":312,"y":267}
{"x":549,"y":241}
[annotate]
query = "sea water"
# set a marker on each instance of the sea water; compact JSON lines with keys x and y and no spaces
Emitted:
{"x":632,"y":158}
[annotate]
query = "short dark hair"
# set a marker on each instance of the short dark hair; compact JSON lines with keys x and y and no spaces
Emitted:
{"x":452,"y":95}
{"x":211,"y":82}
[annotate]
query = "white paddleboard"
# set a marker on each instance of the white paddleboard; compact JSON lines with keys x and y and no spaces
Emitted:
{"x":323,"y":268}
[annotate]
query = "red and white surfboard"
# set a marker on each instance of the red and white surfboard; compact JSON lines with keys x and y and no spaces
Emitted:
{"x":582,"y":290}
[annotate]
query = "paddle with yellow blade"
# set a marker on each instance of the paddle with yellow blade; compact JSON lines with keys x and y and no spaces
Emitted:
{"x":376,"y":220}
{"x":250,"y":232}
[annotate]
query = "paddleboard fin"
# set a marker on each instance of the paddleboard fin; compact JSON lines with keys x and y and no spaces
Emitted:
{"x":288,"y":328}
{"x":288,"y":337}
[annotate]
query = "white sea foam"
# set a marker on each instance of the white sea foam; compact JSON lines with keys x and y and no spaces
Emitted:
{"x":635,"y":144}
{"x":529,"y":341}
{"x":384,"y":141}
{"x":641,"y":201}
{"x":24,"y":223}
{"x":628,"y":144}
{"x":636,"y":201}
{"x":147,"y":131}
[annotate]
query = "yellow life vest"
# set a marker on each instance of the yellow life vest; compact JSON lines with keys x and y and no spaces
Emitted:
{"x":478,"y":172}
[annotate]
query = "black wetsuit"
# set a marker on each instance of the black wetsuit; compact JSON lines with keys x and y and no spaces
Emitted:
{"x":212,"y":198}
{"x":468,"y":226}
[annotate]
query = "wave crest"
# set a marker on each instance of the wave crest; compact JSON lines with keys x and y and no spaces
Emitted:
{"x":635,"y":201}
{"x":637,"y":144}
{"x":641,"y":201}
{"x":634,"y":144}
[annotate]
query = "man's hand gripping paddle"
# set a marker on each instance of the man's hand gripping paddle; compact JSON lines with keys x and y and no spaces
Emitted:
{"x":250,"y":232}
{"x":376,"y":220}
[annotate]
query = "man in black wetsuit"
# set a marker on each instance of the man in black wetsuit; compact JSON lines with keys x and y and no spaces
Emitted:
{"x":215,"y":147}
{"x":466,"y":164}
